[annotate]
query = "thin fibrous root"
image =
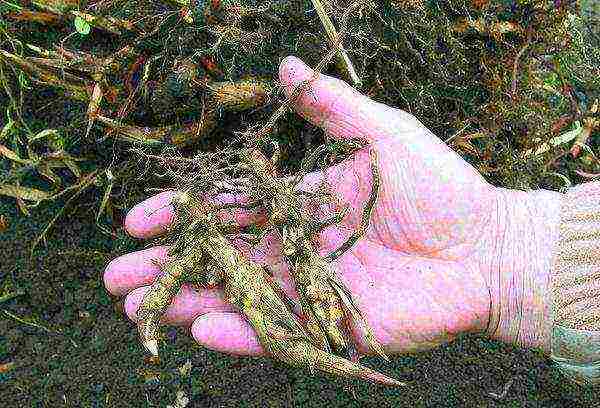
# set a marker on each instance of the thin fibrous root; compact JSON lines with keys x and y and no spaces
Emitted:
{"x":171,"y":135}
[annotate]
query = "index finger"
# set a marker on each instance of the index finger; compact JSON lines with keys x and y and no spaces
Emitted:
{"x":341,"y":110}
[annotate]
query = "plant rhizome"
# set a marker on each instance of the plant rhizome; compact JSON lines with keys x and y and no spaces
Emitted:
{"x":201,"y":253}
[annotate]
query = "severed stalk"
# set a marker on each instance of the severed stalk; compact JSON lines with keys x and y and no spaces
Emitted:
{"x":332,"y":35}
{"x":203,"y":255}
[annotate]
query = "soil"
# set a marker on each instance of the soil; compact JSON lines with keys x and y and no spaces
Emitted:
{"x":78,"y":348}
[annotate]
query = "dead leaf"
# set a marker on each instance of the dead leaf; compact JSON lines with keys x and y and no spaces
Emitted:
{"x":3,"y":223}
{"x":6,"y":367}
{"x":151,"y":360}
{"x":7,"y":128}
{"x":181,"y":400}
{"x":110,"y":24}
{"x":149,"y":375}
{"x":463,"y":143}
{"x":23,"y":193}
{"x":136,"y":134}
{"x":58,"y":6}
{"x":185,"y":369}
{"x":94,"y":107}
{"x":560,"y":123}
{"x":555,"y":141}
{"x":52,"y":133}
{"x":111,"y":94}
{"x":22,"y":207}
{"x":480,"y":4}
{"x":36,"y":17}
{"x":46,"y":171}
{"x":73,"y":167}
{"x":186,"y":15}
{"x":10,"y":155}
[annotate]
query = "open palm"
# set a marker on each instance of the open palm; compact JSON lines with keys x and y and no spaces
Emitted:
{"x":422,"y":273}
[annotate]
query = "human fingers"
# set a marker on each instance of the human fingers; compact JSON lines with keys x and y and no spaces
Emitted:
{"x":154,"y":215}
{"x":407,"y":150}
{"x":140,"y":268}
{"x":349,"y":183}
{"x":132,"y":270}
{"x":338,"y":108}
{"x":226,"y":332}
{"x":133,"y":273}
{"x":189,"y":303}
{"x":349,"y":188}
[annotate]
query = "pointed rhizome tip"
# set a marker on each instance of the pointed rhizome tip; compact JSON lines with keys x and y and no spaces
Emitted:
{"x":152,"y":347}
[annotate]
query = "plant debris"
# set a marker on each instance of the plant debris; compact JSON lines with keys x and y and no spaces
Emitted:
{"x":177,"y":69}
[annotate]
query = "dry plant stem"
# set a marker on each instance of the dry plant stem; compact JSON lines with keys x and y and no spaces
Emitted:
{"x":68,"y":82}
{"x":333,"y":37}
{"x":303,"y":86}
{"x":174,"y":135}
{"x":247,"y":286}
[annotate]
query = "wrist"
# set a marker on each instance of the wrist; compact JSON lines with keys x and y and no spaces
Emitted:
{"x":518,"y":269}
{"x":576,"y":286}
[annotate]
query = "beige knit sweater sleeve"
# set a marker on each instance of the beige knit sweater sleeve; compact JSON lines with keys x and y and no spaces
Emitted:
{"x":575,"y":337}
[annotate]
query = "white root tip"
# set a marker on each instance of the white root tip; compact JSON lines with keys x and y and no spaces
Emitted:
{"x":152,"y":347}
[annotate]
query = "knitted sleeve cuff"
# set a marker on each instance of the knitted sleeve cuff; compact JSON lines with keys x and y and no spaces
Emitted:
{"x":575,"y":286}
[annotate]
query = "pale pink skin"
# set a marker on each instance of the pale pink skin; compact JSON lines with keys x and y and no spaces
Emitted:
{"x":445,"y":253}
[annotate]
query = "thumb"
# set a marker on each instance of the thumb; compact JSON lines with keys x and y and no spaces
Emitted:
{"x":407,"y":150}
{"x":338,"y":108}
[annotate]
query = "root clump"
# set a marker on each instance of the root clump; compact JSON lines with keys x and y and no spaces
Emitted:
{"x":202,"y":254}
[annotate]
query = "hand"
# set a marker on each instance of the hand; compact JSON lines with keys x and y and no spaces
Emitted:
{"x":440,"y":256}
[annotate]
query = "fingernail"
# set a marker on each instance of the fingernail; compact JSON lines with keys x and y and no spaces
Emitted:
{"x":293,"y":70}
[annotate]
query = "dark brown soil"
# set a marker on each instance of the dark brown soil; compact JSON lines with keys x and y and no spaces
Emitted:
{"x":88,"y":355}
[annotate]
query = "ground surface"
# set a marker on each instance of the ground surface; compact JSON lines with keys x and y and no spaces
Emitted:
{"x":97,"y":360}
{"x":84,"y":352}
